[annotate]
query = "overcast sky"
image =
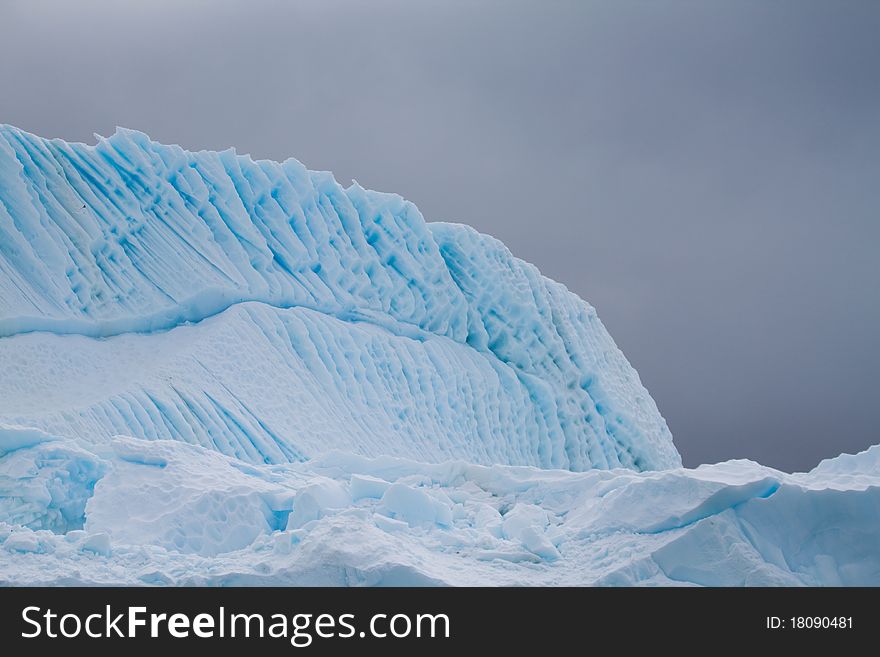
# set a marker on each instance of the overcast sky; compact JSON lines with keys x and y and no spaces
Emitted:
{"x":707,"y":174}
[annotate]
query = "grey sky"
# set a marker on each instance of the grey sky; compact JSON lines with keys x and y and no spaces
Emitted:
{"x":707,"y":174}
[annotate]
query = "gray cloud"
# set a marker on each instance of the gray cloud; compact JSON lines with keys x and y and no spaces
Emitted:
{"x":705,"y":173}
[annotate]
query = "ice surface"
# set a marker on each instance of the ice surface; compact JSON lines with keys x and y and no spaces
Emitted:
{"x":44,"y":482}
{"x":163,"y":512}
{"x":262,"y":310}
{"x":221,"y":371}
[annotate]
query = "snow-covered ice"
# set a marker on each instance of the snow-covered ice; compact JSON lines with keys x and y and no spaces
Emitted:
{"x":135,"y":511}
{"x":215,"y":370}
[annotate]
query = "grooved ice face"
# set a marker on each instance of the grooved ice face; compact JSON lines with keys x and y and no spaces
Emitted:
{"x":261,"y":310}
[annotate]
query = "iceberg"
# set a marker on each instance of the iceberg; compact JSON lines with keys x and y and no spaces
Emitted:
{"x":221,"y":371}
{"x":262,"y":310}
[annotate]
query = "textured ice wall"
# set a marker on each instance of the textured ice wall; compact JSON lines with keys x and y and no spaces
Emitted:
{"x":322,"y":317}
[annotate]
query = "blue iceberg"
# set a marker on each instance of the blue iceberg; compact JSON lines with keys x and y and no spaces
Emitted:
{"x":224,"y":371}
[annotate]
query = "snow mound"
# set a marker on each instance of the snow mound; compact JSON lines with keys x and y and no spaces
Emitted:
{"x":163,"y":512}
